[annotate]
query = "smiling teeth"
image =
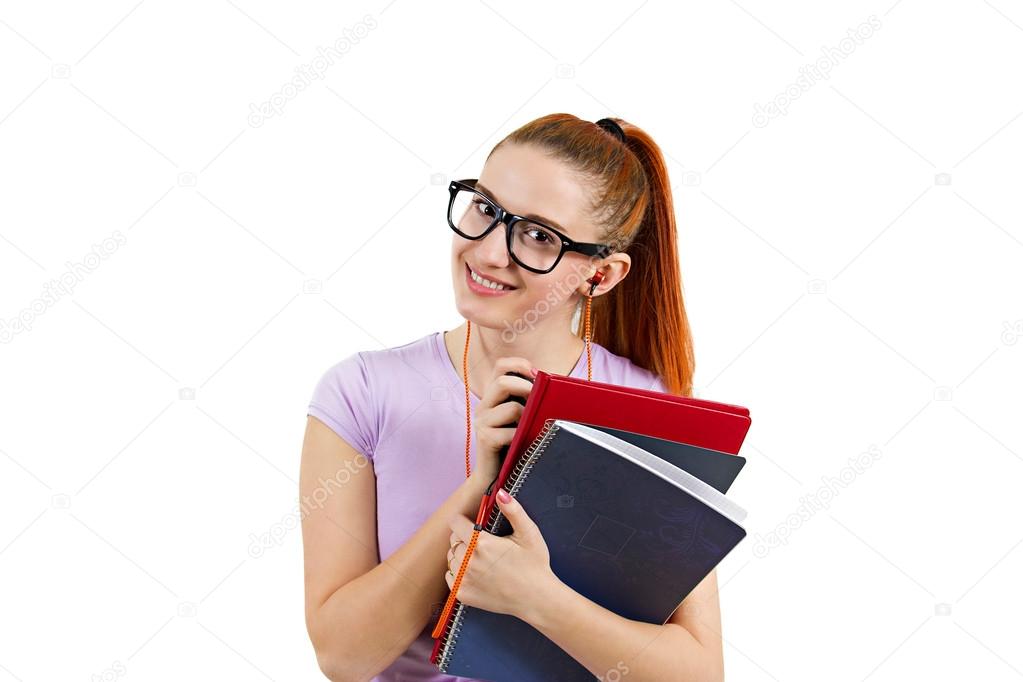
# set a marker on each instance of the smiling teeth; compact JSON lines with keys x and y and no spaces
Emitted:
{"x":486,"y":282}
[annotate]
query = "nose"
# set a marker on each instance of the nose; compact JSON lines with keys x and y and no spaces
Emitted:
{"x":493,"y":249}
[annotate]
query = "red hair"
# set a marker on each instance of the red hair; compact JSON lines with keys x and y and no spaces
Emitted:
{"x":643,"y":318}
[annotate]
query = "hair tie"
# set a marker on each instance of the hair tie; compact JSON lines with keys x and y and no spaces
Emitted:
{"x":612,"y":127}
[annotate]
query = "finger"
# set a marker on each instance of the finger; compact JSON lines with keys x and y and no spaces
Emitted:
{"x":502,"y":387}
{"x":497,"y":391}
{"x":513,"y":385}
{"x":461,"y":527}
{"x":523,"y":527}
{"x":495,"y":438}
{"x":511,"y":364}
{"x":500,"y":415}
{"x":456,"y":557}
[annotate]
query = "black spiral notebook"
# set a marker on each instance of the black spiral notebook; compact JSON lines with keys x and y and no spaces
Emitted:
{"x":632,"y":522}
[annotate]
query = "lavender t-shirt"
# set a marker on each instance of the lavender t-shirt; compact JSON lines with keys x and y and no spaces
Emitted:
{"x":404,"y":409}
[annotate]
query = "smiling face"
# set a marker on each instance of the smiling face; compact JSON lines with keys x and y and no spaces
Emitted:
{"x":525,"y":181}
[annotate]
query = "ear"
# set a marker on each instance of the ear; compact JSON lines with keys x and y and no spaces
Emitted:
{"x":615,"y":268}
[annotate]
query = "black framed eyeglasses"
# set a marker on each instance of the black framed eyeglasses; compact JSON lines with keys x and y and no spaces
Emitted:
{"x":533,"y":245}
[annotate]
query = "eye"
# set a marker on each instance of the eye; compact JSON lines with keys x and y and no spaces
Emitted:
{"x":539,"y":235}
{"x":483,"y":208}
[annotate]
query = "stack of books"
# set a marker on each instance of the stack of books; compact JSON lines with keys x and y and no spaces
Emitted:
{"x":627,"y":487}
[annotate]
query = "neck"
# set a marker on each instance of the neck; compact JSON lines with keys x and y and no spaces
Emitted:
{"x":547,"y":350}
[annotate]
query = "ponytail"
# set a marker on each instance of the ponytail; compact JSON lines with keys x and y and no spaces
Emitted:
{"x":643,"y":317}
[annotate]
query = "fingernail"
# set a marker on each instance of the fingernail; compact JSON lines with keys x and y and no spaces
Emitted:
{"x":503,"y":497}
{"x":533,"y":371}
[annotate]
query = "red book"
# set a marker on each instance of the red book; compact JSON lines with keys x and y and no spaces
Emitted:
{"x":703,"y":423}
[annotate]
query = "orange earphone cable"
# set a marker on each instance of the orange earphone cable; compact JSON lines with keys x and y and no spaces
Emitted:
{"x":589,"y":367}
{"x":478,"y":526}
{"x":465,"y":380}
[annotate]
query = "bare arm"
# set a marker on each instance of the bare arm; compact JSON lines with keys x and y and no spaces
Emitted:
{"x":687,"y":648}
{"x":362,"y":614}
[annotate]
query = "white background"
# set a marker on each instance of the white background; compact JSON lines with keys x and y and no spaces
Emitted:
{"x":852,"y":273}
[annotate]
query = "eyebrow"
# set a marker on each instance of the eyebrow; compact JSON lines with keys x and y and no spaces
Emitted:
{"x":531,"y":216}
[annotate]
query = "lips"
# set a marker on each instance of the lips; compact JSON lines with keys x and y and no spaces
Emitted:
{"x":506,"y":285}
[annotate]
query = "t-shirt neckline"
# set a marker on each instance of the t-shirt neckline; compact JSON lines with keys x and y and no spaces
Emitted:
{"x":446,"y":359}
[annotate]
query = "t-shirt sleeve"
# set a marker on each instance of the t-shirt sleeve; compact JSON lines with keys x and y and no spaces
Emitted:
{"x":343,"y":401}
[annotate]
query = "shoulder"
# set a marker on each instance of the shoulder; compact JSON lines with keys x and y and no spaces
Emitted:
{"x":621,"y":371}
{"x":375,"y":365}
{"x":351,"y":394}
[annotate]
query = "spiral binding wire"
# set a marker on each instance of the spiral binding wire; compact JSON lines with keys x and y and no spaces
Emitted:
{"x":515,"y":479}
{"x":522,"y":468}
{"x":450,"y":638}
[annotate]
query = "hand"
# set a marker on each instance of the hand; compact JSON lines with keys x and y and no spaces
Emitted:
{"x":503,"y":572}
{"x":495,"y":412}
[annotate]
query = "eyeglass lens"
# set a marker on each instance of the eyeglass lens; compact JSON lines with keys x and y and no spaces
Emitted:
{"x":532,"y":244}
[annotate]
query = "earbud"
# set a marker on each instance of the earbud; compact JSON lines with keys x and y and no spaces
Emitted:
{"x":594,"y":281}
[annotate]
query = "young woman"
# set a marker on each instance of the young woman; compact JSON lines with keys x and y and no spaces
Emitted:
{"x":389,"y":502}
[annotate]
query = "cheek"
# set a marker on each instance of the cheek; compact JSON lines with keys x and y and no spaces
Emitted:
{"x":460,"y":246}
{"x":548,"y":293}
{"x":562,"y":286}
{"x":565,"y":279}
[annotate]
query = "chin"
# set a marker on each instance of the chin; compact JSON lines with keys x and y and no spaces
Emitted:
{"x":498,"y":313}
